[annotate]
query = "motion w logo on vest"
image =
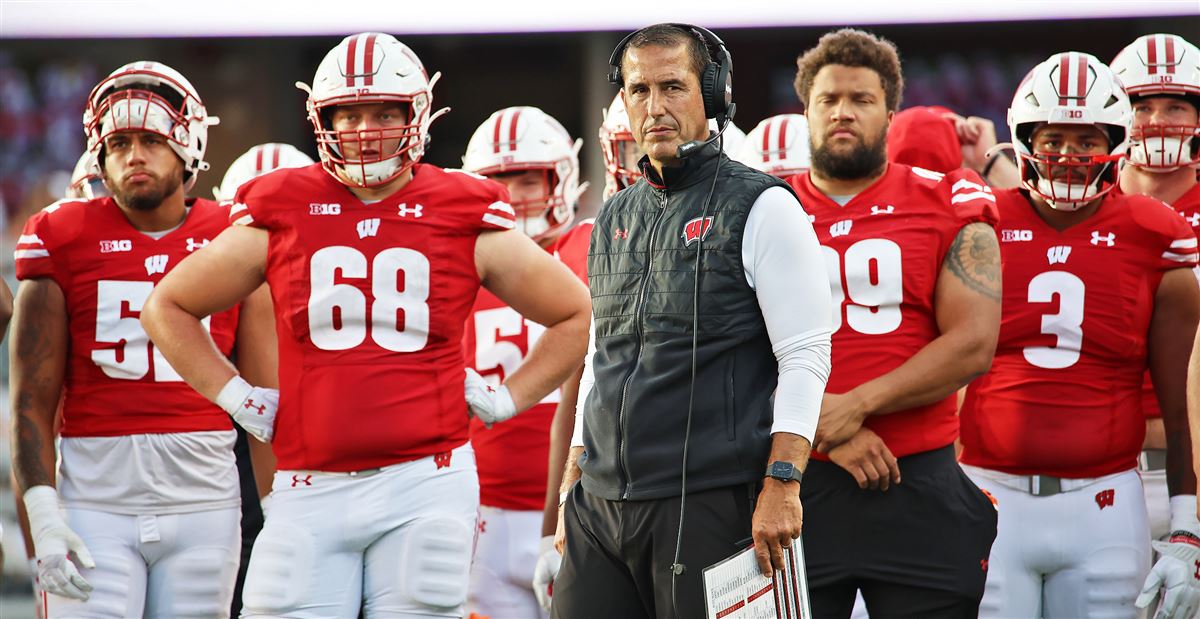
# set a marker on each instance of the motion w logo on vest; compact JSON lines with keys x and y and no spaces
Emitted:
{"x":694,"y":230}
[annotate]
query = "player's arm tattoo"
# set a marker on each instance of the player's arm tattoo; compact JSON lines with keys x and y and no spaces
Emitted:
{"x":974,"y":258}
{"x":38,"y":336}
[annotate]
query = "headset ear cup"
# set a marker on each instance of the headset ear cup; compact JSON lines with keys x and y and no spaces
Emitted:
{"x":708,"y":90}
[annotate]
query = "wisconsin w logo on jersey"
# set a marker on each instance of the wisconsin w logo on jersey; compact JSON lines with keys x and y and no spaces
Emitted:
{"x":1058,"y":254}
{"x":156,"y":264}
{"x":368,"y":227}
{"x":841,"y":228}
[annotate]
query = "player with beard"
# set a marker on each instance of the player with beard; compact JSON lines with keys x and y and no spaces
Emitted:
{"x":146,"y":468}
{"x":914,"y":268}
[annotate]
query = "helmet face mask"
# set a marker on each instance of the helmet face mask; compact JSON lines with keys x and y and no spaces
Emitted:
{"x":1162,"y":65}
{"x":370,"y":68}
{"x":621,"y":151}
{"x":1078,"y":94}
{"x":86,"y":181}
{"x":150,"y":97}
{"x":517,"y":140}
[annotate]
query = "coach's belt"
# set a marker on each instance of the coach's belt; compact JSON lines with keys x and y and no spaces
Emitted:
{"x":1152,"y":460}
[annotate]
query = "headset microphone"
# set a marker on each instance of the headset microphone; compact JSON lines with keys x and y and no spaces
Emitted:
{"x":686,"y":149}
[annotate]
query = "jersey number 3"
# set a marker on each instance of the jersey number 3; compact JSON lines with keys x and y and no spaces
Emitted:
{"x":338,"y":313}
{"x":1066,"y":326}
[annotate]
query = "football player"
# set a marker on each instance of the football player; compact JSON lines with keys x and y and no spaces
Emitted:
{"x":86,"y":181}
{"x":915,"y":272}
{"x":146,"y":468}
{"x":621,"y":152}
{"x":1097,"y":284}
{"x":778,"y":145}
{"x":373,"y":260}
{"x":1161,"y":75}
{"x":258,"y":161}
{"x":531,"y":154}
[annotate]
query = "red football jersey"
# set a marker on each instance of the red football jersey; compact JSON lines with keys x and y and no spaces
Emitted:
{"x":512,"y":456}
{"x":117,"y":383}
{"x":370,"y":302}
{"x":884,"y":250}
{"x":1188,"y":205}
{"x":1062,"y":396}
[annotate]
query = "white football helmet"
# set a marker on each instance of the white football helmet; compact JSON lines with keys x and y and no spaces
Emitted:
{"x":521,"y":138}
{"x":86,"y":181}
{"x":258,"y":161}
{"x":621,"y":152}
{"x":150,"y":96}
{"x":371,"y":67}
{"x":778,"y":146}
{"x":1158,"y":65}
{"x":1071,"y":88}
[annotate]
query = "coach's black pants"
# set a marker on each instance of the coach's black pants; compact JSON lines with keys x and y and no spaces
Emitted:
{"x":619,"y":553}
{"x":918,"y":550}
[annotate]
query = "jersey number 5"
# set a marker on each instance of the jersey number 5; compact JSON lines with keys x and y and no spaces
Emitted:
{"x":116,"y":323}
{"x":874,"y":285}
{"x":338,"y":314}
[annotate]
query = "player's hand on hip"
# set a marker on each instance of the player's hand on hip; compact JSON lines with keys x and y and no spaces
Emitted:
{"x":868,"y":459}
{"x":778,"y":518}
{"x":54,"y":541}
{"x":1177,"y":575}
{"x":842,"y":414}
{"x":548,"y":563}
{"x":490,"y":404}
{"x":251,"y":407}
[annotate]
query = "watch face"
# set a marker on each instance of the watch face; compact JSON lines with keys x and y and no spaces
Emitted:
{"x":782,"y":470}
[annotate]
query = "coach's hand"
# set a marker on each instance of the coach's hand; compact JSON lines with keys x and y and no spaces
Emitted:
{"x":489,"y":404}
{"x":54,"y":541}
{"x":251,"y":407}
{"x":868,"y":459}
{"x":778,"y":518}
{"x":842,"y":414}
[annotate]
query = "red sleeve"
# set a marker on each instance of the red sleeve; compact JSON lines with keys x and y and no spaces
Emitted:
{"x":1178,"y":240}
{"x":573,"y":249}
{"x":970,"y":198}
{"x":499,"y":214}
{"x":32,"y":253}
{"x":249,"y":207}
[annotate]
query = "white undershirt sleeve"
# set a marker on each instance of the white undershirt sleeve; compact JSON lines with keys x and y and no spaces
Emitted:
{"x":785,"y":267}
{"x":585,"y":385}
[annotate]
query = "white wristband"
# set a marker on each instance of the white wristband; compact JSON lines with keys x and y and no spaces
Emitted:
{"x":505,"y":407}
{"x":41,"y":504}
{"x":1183,"y":514}
{"x":233,"y":394}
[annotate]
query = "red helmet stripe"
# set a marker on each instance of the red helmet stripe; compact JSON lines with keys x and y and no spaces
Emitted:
{"x":512,"y":130}
{"x":1081,"y":81}
{"x":783,"y":139}
{"x":766,"y":145}
{"x":258,"y":160}
{"x":1063,"y":81}
{"x":496,"y":133}
{"x":275,"y":157}
{"x":1169,"y":42}
{"x":1152,"y":54}
{"x":369,"y":61}
{"x":350,"y":49}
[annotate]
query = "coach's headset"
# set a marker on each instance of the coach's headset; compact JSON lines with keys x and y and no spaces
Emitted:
{"x":717,"y":93}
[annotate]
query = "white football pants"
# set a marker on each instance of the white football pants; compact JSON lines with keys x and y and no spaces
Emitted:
{"x":502,"y":573}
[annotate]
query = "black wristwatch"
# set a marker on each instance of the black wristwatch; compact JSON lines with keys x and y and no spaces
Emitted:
{"x":783,"y":471}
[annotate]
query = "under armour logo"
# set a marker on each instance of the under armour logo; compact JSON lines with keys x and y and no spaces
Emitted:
{"x":442,"y":460}
{"x":368,"y":227}
{"x":983,"y":564}
{"x":1193,"y":219}
{"x":1105,"y":498}
{"x":1109,"y":239}
{"x":1058,"y":254}
{"x":262,"y":408}
{"x":841,"y":228}
{"x":156,"y":264}
{"x":405,"y":210}
{"x":192,"y":245}
{"x":482,"y":525}
{"x":812,"y":219}
{"x":887,"y":210}
{"x":297,"y":480}
{"x":621,"y":234}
